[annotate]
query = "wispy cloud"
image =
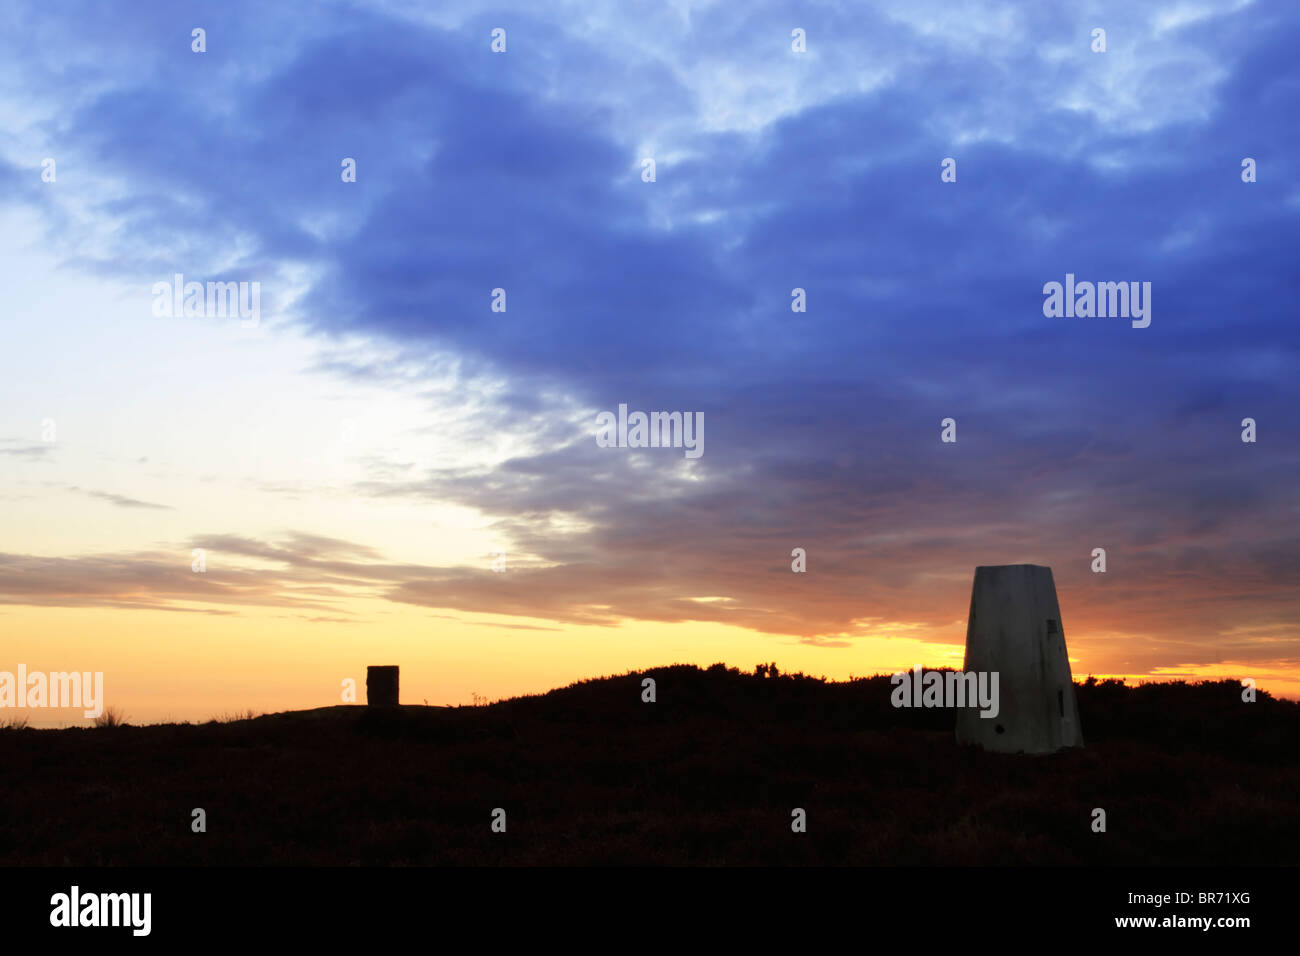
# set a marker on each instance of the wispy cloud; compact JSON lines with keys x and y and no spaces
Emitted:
{"x":122,"y":501}
{"x":17,"y":449}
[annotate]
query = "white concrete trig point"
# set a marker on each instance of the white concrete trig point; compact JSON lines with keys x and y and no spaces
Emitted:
{"x":1015,"y":629}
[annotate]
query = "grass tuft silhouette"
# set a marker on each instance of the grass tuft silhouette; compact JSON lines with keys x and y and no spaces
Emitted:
{"x":111,"y":717}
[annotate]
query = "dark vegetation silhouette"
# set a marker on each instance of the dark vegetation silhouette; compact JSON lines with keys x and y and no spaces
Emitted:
{"x":111,"y":717}
{"x":708,"y":774}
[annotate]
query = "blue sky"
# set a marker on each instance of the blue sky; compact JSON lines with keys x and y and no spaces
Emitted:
{"x":774,"y":170}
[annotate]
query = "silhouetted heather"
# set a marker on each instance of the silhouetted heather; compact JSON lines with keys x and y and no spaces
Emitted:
{"x":708,"y":774}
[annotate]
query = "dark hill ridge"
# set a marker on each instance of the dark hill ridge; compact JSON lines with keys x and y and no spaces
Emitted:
{"x":708,"y":774}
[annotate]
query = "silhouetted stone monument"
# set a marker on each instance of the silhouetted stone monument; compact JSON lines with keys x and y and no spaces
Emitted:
{"x":1015,"y":629}
{"x":381,"y":686}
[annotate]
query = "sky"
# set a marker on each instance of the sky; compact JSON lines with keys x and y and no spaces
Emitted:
{"x":353,"y":464}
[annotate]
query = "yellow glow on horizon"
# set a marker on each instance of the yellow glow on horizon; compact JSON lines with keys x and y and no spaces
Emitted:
{"x":176,"y":666}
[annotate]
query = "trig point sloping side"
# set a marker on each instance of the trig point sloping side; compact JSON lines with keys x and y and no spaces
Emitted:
{"x":1015,"y":629}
